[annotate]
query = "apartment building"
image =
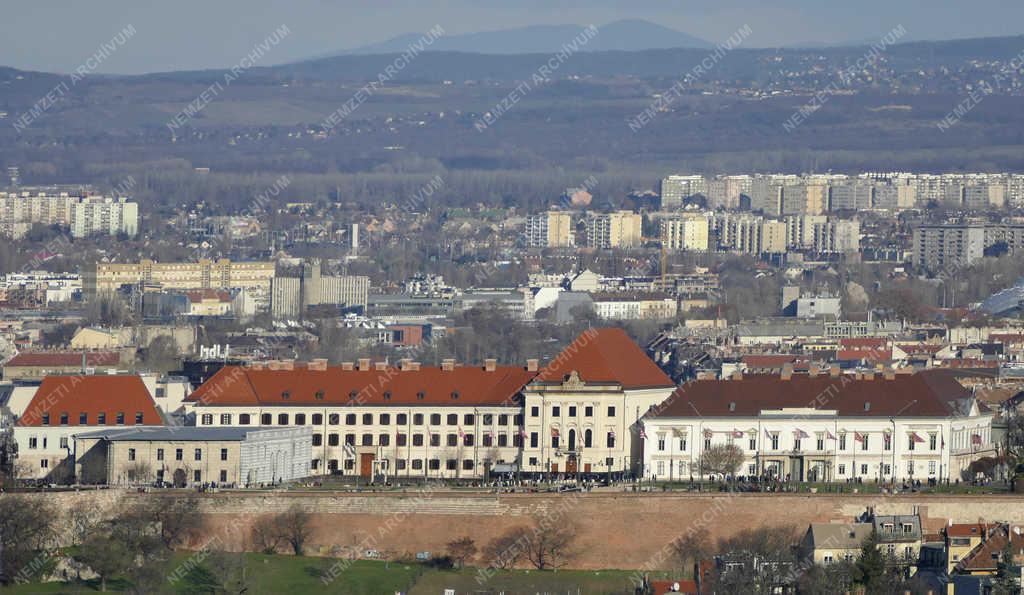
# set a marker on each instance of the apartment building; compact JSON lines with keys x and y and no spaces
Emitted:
{"x":676,"y":188}
{"x":204,"y":274}
{"x":945,"y":247}
{"x":291,"y":295}
{"x":621,"y":229}
{"x":634,"y":306}
{"x":552,"y":229}
{"x":823,"y":426}
{"x":691,"y":232}
{"x":82,"y":215}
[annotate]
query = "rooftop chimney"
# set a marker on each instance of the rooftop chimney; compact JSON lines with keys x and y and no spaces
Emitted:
{"x":532,"y":365}
{"x":256,"y":365}
{"x":447,"y":364}
{"x":403,"y":364}
{"x":319,"y":364}
{"x":787,"y":372}
{"x":737,"y":374}
{"x":364,"y":363}
{"x":347,"y":366}
{"x":380,"y":366}
{"x":490,"y":365}
{"x":869,"y":375}
{"x":833,"y":370}
{"x":414,"y":366}
{"x":812,"y":370}
{"x":288,"y":364}
{"x":889,"y":374}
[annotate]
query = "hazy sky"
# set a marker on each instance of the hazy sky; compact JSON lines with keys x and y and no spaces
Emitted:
{"x":59,"y":35}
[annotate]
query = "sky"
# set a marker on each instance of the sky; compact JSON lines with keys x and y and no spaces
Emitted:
{"x":62,"y":35}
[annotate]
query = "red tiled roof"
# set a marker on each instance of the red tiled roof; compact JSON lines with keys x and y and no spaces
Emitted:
{"x":91,"y":395}
{"x":65,"y":359}
{"x":920,"y":348}
{"x":969,"y":529}
{"x":986,"y":555}
{"x":862,"y":343}
{"x":871,"y":355}
{"x":921,"y":394}
{"x":606,"y":355}
{"x":236,"y":385}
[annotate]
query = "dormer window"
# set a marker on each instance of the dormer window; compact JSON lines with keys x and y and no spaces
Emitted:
{"x":421,"y":395}
{"x":46,"y":419}
{"x":387,"y":395}
{"x":867,"y":405}
{"x":732,"y":406}
{"x":352,"y":395}
{"x":319,"y":395}
{"x":64,"y":418}
{"x":455,"y":395}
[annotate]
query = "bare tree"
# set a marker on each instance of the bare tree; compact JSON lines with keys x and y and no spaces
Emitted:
{"x":507,"y":549}
{"x":26,"y":527}
{"x":139,"y":472}
{"x":550,"y":545}
{"x":462,"y":549}
{"x":266,"y":535}
{"x":295,"y":527}
{"x":722,"y":459}
{"x":691,"y":548}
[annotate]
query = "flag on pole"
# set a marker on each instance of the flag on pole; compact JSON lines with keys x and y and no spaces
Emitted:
{"x":915,"y":437}
{"x":801,"y":434}
{"x":767,"y":434}
{"x":830,"y":435}
{"x":858,"y":437}
{"x":736,"y":433}
{"x":708,"y":434}
{"x":611,"y":434}
{"x":976,"y":439}
{"x":554,"y":432}
{"x":461,"y":433}
{"x":643,"y":434}
{"x":943,"y":443}
{"x":522,"y":431}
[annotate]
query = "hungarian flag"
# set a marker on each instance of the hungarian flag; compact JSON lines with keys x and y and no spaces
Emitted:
{"x":611,"y":434}
{"x":522,"y":431}
{"x":801,"y":434}
{"x":858,"y":437}
{"x":643,"y":434}
{"x":737,"y":434}
{"x":461,"y":433}
{"x":943,"y":443}
{"x":708,"y":433}
{"x":830,"y":435}
{"x":554,"y":432}
{"x":916,"y":438}
{"x":767,"y":434}
{"x":976,"y":439}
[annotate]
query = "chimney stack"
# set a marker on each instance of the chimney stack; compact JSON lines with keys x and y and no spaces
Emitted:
{"x":833,"y":370}
{"x":414,"y":366}
{"x":737,"y":374}
{"x":380,"y":366}
{"x":889,"y":374}
{"x":288,"y":364}
{"x":869,"y":375}
{"x":318,"y":365}
{"x":403,"y":364}
{"x":812,"y":370}
{"x":532,"y":365}
{"x":490,"y":365}
{"x":348,"y":366}
{"x":787,"y":372}
{"x":364,"y":363}
{"x":447,"y":364}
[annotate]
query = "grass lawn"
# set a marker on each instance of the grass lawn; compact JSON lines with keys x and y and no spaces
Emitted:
{"x":271,"y":574}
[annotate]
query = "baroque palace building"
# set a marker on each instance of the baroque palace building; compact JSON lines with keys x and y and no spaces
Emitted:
{"x":823,"y":426}
{"x":577,"y":414}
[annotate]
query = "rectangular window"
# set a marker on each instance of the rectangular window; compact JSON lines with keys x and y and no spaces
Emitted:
{"x":556,"y":411}
{"x":138,"y":418}
{"x":417,"y":439}
{"x":131,"y":454}
{"x":661,"y":444}
{"x":350,"y":419}
{"x":502,"y":419}
{"x":400,"y":439}
{"x":753,"y":443}
{"x":159,"y":454}
{"x":842,"y":442}
{"x":385,"y":419}
{"x":83,"y":419}
{"x":572,"y":411}
{"x":197,"y":476}
{"x":101,"y":419}
{"x":588,"y":411}
{"x":120,"y":418}
{"x":611,"y":411}
{"x":863,"y":469}
{"x":223,"y":454}
{"x":402,"y":419}
{"x":842,"y":469}
{"x":223,"y":476}
{"x":225,"y":419}
{"x":63,"y":441}
{"x":796,"y":444}
{"x":179,"y":454}
{"x":820,"y":443}
{"x":932,"y":441}
{"x":886,"y":441}
{"x":682,"y":443}
{"x":931,"y":467}
{"x":44,"y":464}
{"x":534,"y":411}
{"x":864,"y":442}
{"x":199,"y":454}
{"x":910,"y":443}
{"x":33,"y":442}
{"x":533,"y":440}
{"x":775,"y":442}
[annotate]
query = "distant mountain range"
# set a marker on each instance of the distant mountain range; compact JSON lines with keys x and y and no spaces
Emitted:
{"x":627,"y":35}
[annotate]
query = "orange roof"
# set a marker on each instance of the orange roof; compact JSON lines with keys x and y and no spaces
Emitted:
{"x":202,"y":295}
{"x":65,"y":358}
{"x":606,"y":355}
{"x":969,"y":529}
{"x":91,"y":395}
{"x":871,"y":355}
{"x":235,"y":385}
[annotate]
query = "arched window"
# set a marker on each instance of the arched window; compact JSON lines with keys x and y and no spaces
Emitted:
{"x":572,"y":440}
{"x":588,"y":437}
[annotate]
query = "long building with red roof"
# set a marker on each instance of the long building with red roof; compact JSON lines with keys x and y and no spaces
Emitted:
{"x":372,"y":418}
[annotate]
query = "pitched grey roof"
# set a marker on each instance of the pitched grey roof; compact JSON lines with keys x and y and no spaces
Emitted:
{"x":169,"y":433}
{"x":839,"y":535}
